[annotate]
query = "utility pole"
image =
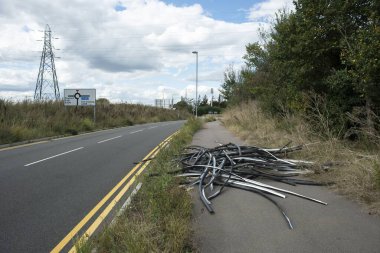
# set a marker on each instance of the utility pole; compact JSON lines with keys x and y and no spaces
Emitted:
{"x":196,"y":85}
{"x":47,"y":83}
{"x":163,"y":97}
{"x":212,"y":95}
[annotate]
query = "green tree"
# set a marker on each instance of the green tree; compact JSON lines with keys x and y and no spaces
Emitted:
{"x":204,"y":101}
{"x":363,"y":58}
{"x":183,"y":105}
{"x":228,"y":88}
{"x":236,"y":86}
{"x":103,"y":101}
{"x":324,"y":49}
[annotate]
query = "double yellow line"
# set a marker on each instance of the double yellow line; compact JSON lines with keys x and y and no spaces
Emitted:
{"x":92,"y":228}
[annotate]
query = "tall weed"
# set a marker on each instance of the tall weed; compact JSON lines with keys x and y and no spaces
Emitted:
{"x":356,"y":166}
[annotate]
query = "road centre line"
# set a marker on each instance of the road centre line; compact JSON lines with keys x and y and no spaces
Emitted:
{"x":64,"y":153}
{"x":88,"y":133}
{"x":137,"y":131}
{"x":110,"y":139}
{"x":69,"y":237}
{"x":77,"y":135}
{"x":152,"y":127}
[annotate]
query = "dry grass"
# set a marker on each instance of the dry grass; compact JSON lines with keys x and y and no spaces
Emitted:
{"x":356,"y":169}
{"x":26,"y":120}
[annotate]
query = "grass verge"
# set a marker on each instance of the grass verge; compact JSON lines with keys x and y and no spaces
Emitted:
{"x":159,"y":216}
{"x":356,"y":165}
{"x":26,"y":120}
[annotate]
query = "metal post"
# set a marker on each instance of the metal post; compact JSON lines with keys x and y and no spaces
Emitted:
{"x":196,"y":84}
{"x":95,"y":109}
{"x":212,"y":95}
{"x":95,"y":113}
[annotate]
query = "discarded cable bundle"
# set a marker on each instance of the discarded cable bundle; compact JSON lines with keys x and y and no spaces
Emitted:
{"x":231,"y":165}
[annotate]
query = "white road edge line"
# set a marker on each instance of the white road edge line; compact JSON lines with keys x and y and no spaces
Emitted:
{"x":64,"y":153}
{"x":126,"y":203}
{"x":136,"y":131}
{"x":110,"y":139}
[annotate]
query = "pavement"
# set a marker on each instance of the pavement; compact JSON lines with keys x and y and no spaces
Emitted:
{"x":246,"y":222}
{"x":47,"y":188}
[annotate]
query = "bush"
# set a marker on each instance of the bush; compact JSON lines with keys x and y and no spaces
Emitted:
{"x":87,"y":124}
{"x":206,"y":109}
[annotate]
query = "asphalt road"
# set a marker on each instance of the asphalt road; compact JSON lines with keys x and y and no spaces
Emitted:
{"x":47,"y":188}
{"x":246,"y":222}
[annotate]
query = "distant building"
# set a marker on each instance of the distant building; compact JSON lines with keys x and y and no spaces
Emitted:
{"x":164,"y":103}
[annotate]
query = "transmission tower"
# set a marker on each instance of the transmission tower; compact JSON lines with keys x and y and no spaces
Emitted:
{"x":47,"y":82}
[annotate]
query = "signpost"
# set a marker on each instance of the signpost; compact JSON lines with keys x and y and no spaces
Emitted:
{"x":80,"y":97}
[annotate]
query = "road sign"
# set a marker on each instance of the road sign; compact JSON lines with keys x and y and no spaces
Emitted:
{"x":79,"y":97}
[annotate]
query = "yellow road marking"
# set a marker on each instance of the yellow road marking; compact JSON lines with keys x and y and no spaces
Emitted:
{"x":79,"y":226}
{"x":110,"y":206}
{"x":21,"y":146}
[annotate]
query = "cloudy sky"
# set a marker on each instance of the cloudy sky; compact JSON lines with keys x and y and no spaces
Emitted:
{"x":130,"y":51}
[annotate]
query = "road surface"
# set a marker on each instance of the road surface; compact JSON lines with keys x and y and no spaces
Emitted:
{"x":47,"y":188}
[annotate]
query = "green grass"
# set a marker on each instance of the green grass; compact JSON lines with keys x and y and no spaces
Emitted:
{"x":159,"y":216}
{"x":26,"y":120}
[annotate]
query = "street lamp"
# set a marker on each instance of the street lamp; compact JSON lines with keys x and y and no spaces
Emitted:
{"x":196,"y":85}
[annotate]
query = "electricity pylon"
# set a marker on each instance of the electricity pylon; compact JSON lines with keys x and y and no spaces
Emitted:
{"x":47,"y":82}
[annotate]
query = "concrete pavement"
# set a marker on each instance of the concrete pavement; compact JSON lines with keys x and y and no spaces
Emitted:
{"x":245,"y":222}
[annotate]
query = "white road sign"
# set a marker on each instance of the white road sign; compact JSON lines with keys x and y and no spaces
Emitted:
{"x":79,"y":97}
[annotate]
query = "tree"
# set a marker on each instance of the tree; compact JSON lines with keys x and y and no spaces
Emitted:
{"x":362,"y":55}
{"x":204,"y":101}
{"x":228,"y":88}
{"x":255,"y":57}
{"x":237,"y":85}
{"x":183,"y":105}
{"x":102,"y":102}
{"x":325,"y":48}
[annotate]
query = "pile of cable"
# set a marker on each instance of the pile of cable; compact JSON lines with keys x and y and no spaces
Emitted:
{"x":231,"y":165}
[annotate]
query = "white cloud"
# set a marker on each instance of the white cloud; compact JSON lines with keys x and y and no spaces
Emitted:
{"x":126,"y":55}
{"x":264,"y":11}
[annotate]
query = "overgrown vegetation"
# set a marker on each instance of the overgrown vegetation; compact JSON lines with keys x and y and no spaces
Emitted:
{"x":159,"y":216}
{"x":315,"y":79}
{"x":205,"y":105}
{"x":353,"y":166}
{"x":325,"y":50}
{"x":29,"y":120}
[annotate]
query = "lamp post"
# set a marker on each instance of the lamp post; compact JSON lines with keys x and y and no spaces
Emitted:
{"x":196,"y":84}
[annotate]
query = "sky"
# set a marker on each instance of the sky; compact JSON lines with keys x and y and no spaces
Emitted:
{"x":132,"y":51}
